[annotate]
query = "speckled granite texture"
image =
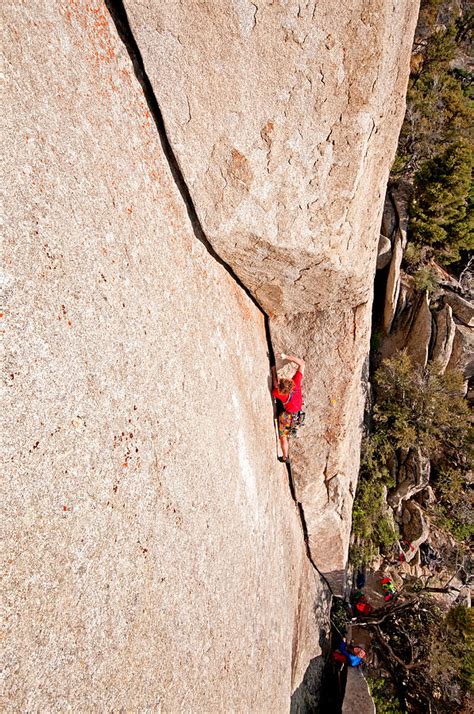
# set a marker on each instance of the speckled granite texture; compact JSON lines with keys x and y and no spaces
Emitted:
{"x":154,"y":558}
{"x":284,"y":117}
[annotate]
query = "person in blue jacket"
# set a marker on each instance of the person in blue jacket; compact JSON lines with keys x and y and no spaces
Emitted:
{"x":354,"y":655}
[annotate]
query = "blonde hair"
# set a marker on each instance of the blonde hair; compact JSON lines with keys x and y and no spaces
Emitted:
{"x":285,"y":386}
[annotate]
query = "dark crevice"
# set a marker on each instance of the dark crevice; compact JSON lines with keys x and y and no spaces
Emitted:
{"x":119,"y":17}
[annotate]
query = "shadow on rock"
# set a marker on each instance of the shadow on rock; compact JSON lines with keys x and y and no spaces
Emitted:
{"x":306,"y":698}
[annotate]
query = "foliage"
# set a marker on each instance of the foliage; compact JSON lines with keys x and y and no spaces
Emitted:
{"x":443,"y":196}
{"x":425,"y":278}
{"x":415,"y":408}
{"x":454,"y":510}
{"x":460,"y":622}
{"x":428,"y":653}
{"x":435,"y":151}
{"x":339,"y":617}
{"x":386,"y":702}
{"x":371,"y":528}
{"x":420,"y":407}
{"x":439,"y":108}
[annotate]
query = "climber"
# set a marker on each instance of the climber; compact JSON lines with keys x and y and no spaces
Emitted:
{"x":288,"y":392}
{"x":348,"y":654}
{"x":388,"y":589}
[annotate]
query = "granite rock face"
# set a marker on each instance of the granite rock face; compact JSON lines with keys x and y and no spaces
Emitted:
{"x":154,"y":557}
{"x":445,"y":331}
{"x":357,"y":695}
{"x":413,"y":476}
{"x":284,"y":120}
{"x":463,"y":309}
{"x":419,"y":338}
{"x":415,"y":527}
{"x":462,"y":354}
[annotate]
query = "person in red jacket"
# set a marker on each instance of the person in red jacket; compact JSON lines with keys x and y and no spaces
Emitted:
{"x":288,"y":392}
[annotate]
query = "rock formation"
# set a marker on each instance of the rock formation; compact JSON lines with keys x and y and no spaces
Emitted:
{"x":357,"y":696}
{"x":445,"y":330}
{"x":155,"y":557}
{"x":384,"y":252}
{"x":433,"y":326}
{"x":415,"y":527}
{"x":285,"y":127}
{"x":412,"y":476}
{"x":419,"y":337}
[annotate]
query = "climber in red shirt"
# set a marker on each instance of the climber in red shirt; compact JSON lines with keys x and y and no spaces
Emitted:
{"x":288,"y":392}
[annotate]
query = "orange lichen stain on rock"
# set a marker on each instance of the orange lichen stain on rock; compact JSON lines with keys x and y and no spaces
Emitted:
{"x":245,"y":306}
{"x":125,"y":74}
{"x":266,"y":131}
{"x":239,"y":168}
{"x":91,"y":16}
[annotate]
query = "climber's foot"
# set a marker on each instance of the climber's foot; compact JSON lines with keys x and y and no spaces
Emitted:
{"x":283,"y":460}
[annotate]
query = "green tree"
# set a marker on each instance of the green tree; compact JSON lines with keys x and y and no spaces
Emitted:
{"x":441,"y":213}
{"x":420,"y":407}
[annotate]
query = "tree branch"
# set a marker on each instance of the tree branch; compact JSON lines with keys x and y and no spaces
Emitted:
{"x":407,"y":667}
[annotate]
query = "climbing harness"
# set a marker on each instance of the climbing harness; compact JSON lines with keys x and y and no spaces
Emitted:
{"x":297,"y":422}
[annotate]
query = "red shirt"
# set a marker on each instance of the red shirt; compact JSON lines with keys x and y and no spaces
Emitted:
{"x":296,"y":401}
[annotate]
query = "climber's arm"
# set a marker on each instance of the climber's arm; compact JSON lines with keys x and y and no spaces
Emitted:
{"x":296,"y":360}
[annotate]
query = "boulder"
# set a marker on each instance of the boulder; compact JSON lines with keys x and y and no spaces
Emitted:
{"x":444,"y":279}
{"x":462,"y":354}
{"x":384,"y":253}
{"x":419,"y":337}
{"x":401,"y":193}
{"x":427,"y":497}
{"x":392,"y":289}
{"x":463,"y":310}
{"x":154,"y":558}
{"x":415,"y":529}
{"x":413,"y":476}
{"x":445,"y":331}
{"x":357,"y":697}
{"x":285,"y":127}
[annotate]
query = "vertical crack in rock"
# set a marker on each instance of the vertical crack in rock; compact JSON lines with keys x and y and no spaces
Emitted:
{"x":304,"y":527}
{"x":120,"y":19}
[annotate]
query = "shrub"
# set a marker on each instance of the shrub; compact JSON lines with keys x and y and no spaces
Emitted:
{"x":454,"y":510}
{"x":414,"y":408}
{"x":371,"y":529}
{"x":420,"y":407}
{"x":425,"y":278}
{"x":385,"y":700}
{"x":436,"y":648}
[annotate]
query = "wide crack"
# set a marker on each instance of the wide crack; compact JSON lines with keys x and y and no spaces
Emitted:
{"x":120,"y":19}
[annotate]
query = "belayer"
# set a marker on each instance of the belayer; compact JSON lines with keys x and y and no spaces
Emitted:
{"x":288,"y":392}
{"x":348,"y":654}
